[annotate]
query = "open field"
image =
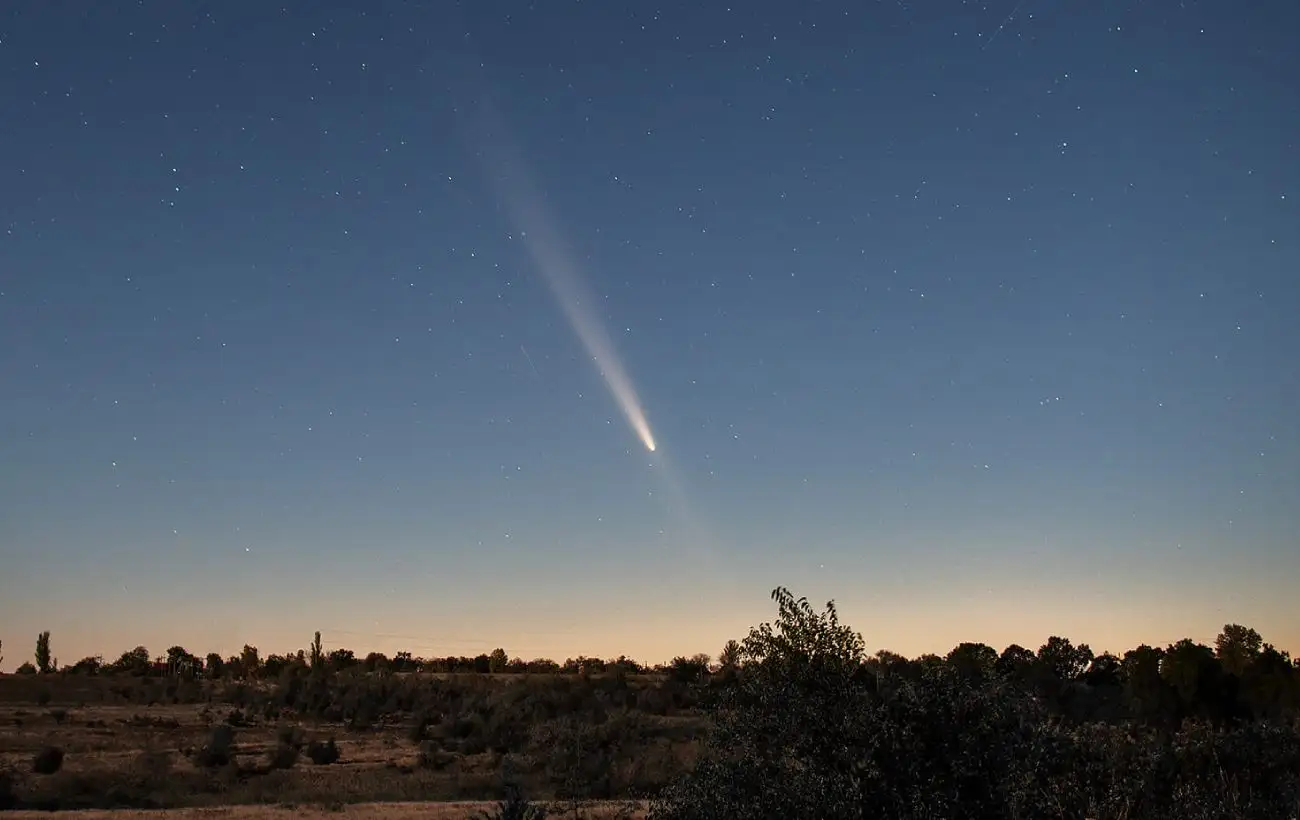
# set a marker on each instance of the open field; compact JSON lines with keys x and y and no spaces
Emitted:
{"x":593,"y":810}
{"x":555,"y":737}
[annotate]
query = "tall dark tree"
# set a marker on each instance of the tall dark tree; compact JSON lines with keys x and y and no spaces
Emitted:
{"x":779,"y":747}
{"x":339,"y":659}
{"x":1063,"y":660}
{"x":974,"y":661}
{"x":43,"y":662}
{"x":133,"y":662}
{"x":1015,"y":662}
{"x":1270,"y":685}
{"x":729,"y":657}
{"x":1195,"y":674}
{"x":1104,"y":670}
{"x":1236,"y":647}
{"x":182,"y":664}
{"x":214,"y":666}
{"x":317,"y":654}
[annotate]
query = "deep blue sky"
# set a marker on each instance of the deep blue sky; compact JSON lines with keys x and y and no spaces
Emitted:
{"x":978,"y":318}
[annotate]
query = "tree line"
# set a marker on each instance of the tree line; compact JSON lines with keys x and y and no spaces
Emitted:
{"x":1240,"y":676}
{"x":249,"y":664}
{"x":796,"y":720}
{"x":813,"y":727}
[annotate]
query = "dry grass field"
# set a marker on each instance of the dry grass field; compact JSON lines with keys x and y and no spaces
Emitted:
{"x":139,"y":756}
{"x":457,"y":810}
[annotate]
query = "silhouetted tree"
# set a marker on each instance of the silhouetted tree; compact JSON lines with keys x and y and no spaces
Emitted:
{"x":1194,"y":673}
{"x":974,"y":661}
{"x":1270,"y":684}
{"x":688,"y":670}
{"x":250,"y":663}
{"x":497,"y":660}
{"x":1063,"y":660}
{"x":729,"y":657}
{"x":340,"y":659}
{"x":87,"y":666}
{"x":134,"y":662}
{"x":273,"y":666}
{"x":182,"y":664}
{"x":214,"y":666}
{"x":1236,"y":647}
{"x":43,"y":664}
{"x":786,"y":734}
{"x":403,"y":662}
{"x":1015,"y":662}
{"x":1104,"y":670}
{"x":317,"y":654}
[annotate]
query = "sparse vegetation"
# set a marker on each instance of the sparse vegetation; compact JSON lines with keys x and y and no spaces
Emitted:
{"x":796,"y":720}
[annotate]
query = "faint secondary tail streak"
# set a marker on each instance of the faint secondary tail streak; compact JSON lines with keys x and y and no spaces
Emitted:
{"x":548,"y":253}
{"x":530,"y":361}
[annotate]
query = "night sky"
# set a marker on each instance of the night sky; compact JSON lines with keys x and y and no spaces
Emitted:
{"x":980,"y":319}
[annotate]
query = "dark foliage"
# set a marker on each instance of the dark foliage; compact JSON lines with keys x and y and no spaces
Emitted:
{"x":514,"y":807}
{"x":812,"y":728}
{"x":323,"y":754}
{"x":48,"y":760}
{"x":283,"y":756}
{"x":219,"y":750}
{"x":8,"y":793}
{"x":794,"y":721}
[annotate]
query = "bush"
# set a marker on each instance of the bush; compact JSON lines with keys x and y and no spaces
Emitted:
{"x":48,"y":760}
{"x":283,"y":756}
{"x":8,"y":794}
{"x":290,"y":736}
{"x":514,"y":807}
{"x":323,"y":754}
{"x":432,"y":756}
{"x":219,"y":750}
{"x":419,"y":727}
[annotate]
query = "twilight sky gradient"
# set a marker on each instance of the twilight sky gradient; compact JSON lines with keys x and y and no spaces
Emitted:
{"x":978,"y":318}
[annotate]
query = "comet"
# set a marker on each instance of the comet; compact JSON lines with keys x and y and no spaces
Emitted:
{"x":488,"y":136}
{"x":542,"y":240}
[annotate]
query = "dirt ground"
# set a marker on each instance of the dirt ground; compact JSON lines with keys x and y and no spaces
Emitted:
{"x":357,"y":811}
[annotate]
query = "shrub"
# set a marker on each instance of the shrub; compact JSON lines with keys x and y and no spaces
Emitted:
{"x":219,"y":750}
{"x":48,"y":760}
{"x":432,"y":756}
{"x":8,"y":794}
{"x":419,"y":727}
{"x":514,"y":807}
{"x":290,"y":736}
{"x":323,"y":754}
{"x":283,"y":756}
